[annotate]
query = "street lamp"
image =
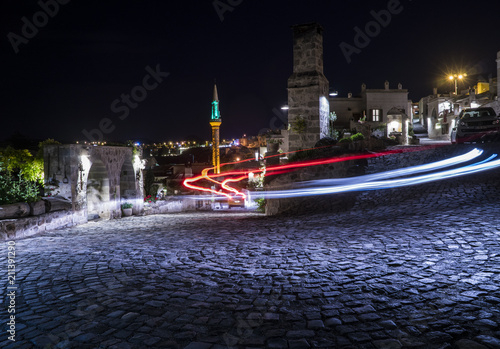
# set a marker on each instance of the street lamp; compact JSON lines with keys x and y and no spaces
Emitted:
{"x":456,"y":77}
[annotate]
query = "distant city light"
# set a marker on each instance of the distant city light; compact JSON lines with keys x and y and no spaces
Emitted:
{"x":285,"y":107}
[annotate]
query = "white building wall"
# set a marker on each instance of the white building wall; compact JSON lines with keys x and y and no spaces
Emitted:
{"x":386,"y":100}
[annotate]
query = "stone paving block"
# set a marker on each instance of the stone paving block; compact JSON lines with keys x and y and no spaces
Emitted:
{"x":489,"y":341}
{"x":198,"y":345}
{"x":298,"y":344}
{"x":468,"y":344}
{"x":387,"y":344}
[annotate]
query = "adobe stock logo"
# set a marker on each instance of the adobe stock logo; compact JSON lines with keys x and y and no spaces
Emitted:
{"x":30,"y":29}
{"x":126,"y":102}
{"x":223,"y":6}
{"x":372,"y":29}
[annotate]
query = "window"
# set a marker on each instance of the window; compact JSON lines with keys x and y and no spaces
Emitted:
{"x":376,"y":114}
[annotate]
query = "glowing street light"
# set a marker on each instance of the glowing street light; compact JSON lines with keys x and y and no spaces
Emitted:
{"x":456,"y":77}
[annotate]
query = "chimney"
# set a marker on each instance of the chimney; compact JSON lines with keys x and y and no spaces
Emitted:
{"x":435,"y":91}
{"x":386,"y":84}
{"x":363,"y":87}
{"x":400,"y":87}
{"x":349,"y":95}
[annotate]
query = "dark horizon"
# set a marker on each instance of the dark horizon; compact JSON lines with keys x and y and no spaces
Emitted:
{"x":83,"y":58}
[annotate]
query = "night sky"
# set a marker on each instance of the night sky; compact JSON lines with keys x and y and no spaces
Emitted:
{"x":68,"y":76}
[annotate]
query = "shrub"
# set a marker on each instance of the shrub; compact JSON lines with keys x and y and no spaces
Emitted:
{"x":20,"y":190}
{"x":345,"y":140}
{"x":357,"y":137}
{"x":127,"y":205}
{"x":261,"y":204}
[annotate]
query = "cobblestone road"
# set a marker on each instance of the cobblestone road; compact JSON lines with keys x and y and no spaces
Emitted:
{"x":419,"y":272}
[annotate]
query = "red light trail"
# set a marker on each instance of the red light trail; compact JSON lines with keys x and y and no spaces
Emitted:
{"x":271,"y":170}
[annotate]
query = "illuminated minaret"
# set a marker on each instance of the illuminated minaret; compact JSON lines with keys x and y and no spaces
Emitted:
{"x":215,"y":122}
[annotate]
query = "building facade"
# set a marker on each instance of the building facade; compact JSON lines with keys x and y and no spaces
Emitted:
{"x":387,"y":109}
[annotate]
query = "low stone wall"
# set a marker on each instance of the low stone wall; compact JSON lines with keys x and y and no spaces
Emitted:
{"x":171,"y":205}
{"x":404,"y":157}
{"x":304,"y":205}
{"x":27,"y":226}
{"x":412,"y":156}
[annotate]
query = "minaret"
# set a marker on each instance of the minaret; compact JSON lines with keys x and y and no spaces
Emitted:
{"x":215,"y":122}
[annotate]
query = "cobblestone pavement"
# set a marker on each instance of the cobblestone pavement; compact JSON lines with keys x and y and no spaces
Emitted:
{"x":418,"y":272}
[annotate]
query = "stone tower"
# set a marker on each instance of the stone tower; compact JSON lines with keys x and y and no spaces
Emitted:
{"x":307,"y":89}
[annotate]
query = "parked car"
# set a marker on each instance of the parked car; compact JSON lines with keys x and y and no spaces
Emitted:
{"x":475,"y":125}
{"x":236,"y":200}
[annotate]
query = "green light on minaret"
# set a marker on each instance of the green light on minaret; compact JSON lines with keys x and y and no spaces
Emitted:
{"x":215,"y":105}
{"x":215,"y":110}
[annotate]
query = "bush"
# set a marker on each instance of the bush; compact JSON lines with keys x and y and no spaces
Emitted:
{"x":20,"y":190}
{"x":261,"y":204}
{"x":345,"y":140}
{"x":357,"y":137}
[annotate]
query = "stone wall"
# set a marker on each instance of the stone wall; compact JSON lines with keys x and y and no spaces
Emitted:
{"x":171,"y":205}
{"x":68,"y":168}
{"x":308,"y":205}
{"x":19,"y":228}
{"x":407,"y":157}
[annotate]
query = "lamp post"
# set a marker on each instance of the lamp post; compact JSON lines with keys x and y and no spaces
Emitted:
{"x":456,"y":77}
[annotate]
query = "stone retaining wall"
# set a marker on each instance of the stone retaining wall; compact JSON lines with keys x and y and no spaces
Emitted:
{"x":406,"y":157}
{"x":303,"y":205}
{"x":23,"y":227}
{"x":171,"y":205}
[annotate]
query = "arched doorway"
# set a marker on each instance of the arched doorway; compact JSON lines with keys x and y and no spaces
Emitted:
{"x":98,"y":195}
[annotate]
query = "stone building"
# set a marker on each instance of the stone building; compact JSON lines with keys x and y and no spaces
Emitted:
{"x":307,"y":89}
{"x":375,"y":107}
{"x":95,"y":179}
{"x":310,"y":105}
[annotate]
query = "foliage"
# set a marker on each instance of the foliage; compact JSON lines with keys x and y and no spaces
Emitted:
{"x":41,"y":145}
{"x":300,"y":125}
{"x":261,"y":204}
{"x":20,"y":190}
{"x":332,"y":117}
{"x":127,"y":205}
{"x":357,"y":137}
{"x":345,"y":140}
{"x":411,"y":133}
{"x":150,"y":199}
{"x":20,"y":161}
{"x":333,"y":133}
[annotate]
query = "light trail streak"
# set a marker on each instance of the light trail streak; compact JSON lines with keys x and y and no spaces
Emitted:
{"x":484,"y":165}
{"x":269,"y":171}
{"x":328,"y":186}
{"x":397,"y":173}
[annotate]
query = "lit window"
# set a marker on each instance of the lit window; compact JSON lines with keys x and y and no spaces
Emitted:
{"x":376,"y":114}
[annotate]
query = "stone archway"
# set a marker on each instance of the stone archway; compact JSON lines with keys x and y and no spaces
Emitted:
{"x":96,"y":179}
{"x":98,"y":191}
